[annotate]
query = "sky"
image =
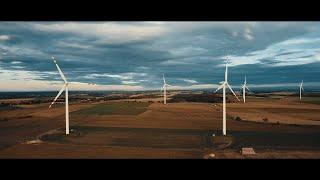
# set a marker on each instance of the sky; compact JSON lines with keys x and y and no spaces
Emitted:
{"x":128,"y":55}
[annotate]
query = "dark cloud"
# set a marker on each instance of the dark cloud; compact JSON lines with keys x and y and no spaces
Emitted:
{"x":186,"y":50}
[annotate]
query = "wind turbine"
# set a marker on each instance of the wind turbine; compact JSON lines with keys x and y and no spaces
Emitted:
{"x":223,"y":86}
{"x":301,"y":88}
{"x":244,"y":87}
{"x":64,"y":87}
{"x":164,"y":88}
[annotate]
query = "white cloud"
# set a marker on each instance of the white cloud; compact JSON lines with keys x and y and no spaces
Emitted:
{"x":186,"y":51}
{"x":175,"y":62}
{"x":298,"y":41}
{"x":7,"y":75}
{"x":85,"y":87}
{"x":39,"y":85}
{"x":317,"y":56}
{"x":73,"y":45}
{"x":16,"y":62}
{"x":22,"y":51}
{"x":189,"y":81}
{"x":248,"y":34}
{"x":109,"y":32}
{"x":17,"y":67}
{"x":129,"y":82}
{"x":4,"y":37}
{"x":21,"y":80}
{"x":126,"y":78}
{"x":155,"y":22}
{"x":289,"y":52}
{"x":143,"y":80}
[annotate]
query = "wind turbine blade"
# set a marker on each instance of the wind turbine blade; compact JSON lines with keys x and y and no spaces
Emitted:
{"x":302,"y":88}
{"x":163,"y":87}
{"x":232,"y":91}
{"x":164,"y":80}
{"x":221,"y":86}
{"x":63,"y":88}
{"x":226,"y":73}
{"x":60,"y":72}
{"x":248,"y":88}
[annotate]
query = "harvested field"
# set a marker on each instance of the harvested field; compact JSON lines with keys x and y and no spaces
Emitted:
{"x":116,"y":108}
{"x":289,"y":111}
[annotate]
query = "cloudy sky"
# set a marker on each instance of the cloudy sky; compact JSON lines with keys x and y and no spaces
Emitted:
{"x":133,"y":55}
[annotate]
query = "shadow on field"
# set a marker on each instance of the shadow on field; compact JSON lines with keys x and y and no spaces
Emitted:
{"x":276,"y":141}
{"x":183,"y":139}
{"x":134,"y":137}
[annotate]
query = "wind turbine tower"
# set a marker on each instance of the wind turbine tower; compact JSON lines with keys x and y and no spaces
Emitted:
{"x":301,"y":88}
{"x":223,"y":86}
{"x":164,"y":88}
{"x":64,"y":88}
{"x":244,"y":87}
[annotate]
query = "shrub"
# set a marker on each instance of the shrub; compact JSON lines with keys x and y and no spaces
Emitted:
{"x":238,"y":118}
{"x":265,"y":120}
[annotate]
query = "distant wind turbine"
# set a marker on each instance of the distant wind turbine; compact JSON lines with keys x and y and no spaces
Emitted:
{"x":164,"y":88}
{"x":244,"y":87}
{"x":64,"y":87}
{"x":223,"y":85}
{"x":301,"y":88}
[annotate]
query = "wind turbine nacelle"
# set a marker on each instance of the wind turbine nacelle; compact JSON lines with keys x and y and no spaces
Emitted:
{"x":221,"y":82}
{"x":54,"y":60}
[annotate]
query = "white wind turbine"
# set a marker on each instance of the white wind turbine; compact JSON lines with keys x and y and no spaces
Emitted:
{"x":223,"y":85}
{"x":301,"y":88}
{"x":244,"y":87}
{"x":64,"y":87}
{"x":164,"y":88}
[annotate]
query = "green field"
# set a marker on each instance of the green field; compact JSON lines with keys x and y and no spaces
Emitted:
{"x":116,"y":108}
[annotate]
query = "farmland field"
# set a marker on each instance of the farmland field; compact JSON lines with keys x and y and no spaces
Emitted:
{"x":311,"y":100}
{"x":132,"y":129}
{"x":133,"y":137}
{"x":116,"y":108}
